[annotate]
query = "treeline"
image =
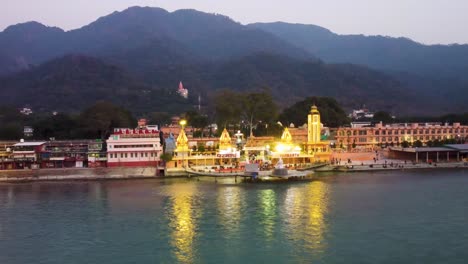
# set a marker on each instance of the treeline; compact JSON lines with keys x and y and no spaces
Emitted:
{"x":386,"y":118}
{"x":95,"y":122}
{"x":253,"y":113}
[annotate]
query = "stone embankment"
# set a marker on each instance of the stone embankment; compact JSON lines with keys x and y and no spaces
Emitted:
{"x":389,"y":166}
{"x":77,"y":174}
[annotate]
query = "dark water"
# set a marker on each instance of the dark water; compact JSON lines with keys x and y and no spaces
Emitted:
{"x":395,"y":217}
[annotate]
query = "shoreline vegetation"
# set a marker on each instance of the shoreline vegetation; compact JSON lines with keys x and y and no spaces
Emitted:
{"x":121,"y":173}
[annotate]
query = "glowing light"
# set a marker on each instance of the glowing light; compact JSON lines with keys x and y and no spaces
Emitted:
{"x":183,"y":122}
{"x":280,"y":148}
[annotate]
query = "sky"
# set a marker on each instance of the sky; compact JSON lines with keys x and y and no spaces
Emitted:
{"x":425,"y":21}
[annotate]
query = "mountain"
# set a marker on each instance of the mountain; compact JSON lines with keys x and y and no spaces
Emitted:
{"x":290,"y":80}
{"x":74,"y":82}
{"x":137,"y":57}
{"x":378,"y":52}
{"x":151,"y":36}
{"x":28,"y":43}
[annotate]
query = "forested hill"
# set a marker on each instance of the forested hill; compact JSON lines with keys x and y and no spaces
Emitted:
{"x":74,"y":82}
{"x":149,"y":36}
{"x":378,"y":52}
{"x":137,"y":57}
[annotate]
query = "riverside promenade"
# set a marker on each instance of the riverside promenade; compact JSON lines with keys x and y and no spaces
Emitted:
{"x":78,"y":174}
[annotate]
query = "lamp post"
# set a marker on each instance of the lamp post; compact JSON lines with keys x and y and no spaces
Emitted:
{"x":182,"y":123}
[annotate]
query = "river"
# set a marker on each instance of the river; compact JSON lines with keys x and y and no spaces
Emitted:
{"x":386,"y":217}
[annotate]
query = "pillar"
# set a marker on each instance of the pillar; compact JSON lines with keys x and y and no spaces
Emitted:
{"x":437,"y":156}
{"x":448,"y":157}
{"x":427,"y":157}
{"x":417,"y":157}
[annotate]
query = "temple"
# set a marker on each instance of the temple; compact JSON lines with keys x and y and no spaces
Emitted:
{"x":314,"y":145}
{"x":224,"y":153}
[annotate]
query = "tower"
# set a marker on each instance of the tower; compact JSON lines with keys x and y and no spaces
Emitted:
{"x":313,"y":126}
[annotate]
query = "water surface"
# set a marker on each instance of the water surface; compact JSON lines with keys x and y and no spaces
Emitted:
{"x":391,"y":217}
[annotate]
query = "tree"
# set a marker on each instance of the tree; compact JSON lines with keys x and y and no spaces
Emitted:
{"x":405,"y":144}
{"x":331,"y":113}
{"x":159,"y":118}
{"x":258,"y":107}
{"x":166,"y":157}
{"x":99,"y":120}
{"x":417,"y":144}
{"x":382,"y":116}
{"x":11,"y":131}
{"x":196,"y":120}
{"x":228,"y":106}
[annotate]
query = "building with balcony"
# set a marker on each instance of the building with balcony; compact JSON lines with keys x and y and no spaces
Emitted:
{"x":27,"y":154}
{"x":134,"y":147}
{"x":6,"y":157}
{"x":397,"y":134}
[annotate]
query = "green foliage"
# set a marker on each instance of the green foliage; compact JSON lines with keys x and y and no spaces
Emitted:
{"x":228,"y":106}
{"x":98,"y":120}
{"x":61,"y":126}
{"x":331,"y":113}
{"x":166,"y":157}
{"x":11,"y":131}
{"x":198,"y":121}
{"x":159,"y":118}
{"x":11,"y":123}
{"x":256,"y":110}
{"x":382,"y":116}
{"x":201,"y":148}
{"x":417,"y":144}
{"x":405,"y":144}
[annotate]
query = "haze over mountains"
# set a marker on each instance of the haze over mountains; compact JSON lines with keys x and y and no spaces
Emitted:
{"x":137,"y":57}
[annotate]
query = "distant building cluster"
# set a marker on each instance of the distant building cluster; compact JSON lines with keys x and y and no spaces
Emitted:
{"x":362,"y":113}
{"x":26,"y":111}
{"x":396,"y":134}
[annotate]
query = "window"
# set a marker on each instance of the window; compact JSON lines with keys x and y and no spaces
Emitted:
{"x":126,"y":155}
{"x":146,"y":154}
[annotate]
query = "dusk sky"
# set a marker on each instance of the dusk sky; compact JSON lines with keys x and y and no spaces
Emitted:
{"x":426,"y":21}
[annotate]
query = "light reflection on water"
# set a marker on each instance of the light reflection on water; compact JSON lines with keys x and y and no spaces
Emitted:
{"x":305,"y":209}
{"x":267,"y":213}
{"x":183,"y":221}
{"x":229,"y":205}
{"x":357,"y":219}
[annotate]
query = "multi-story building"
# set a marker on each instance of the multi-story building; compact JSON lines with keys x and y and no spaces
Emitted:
{"x":396,"y":134}
{"x":6,"y":158}
{"x":27,"y":154}
{"x":73,"y":153}
{"x":134,"y":147}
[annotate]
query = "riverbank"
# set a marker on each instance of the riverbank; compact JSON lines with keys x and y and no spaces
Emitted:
{"x":84,"y":174}
{"x":392,"y":166}
{"x":78,"y":174}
